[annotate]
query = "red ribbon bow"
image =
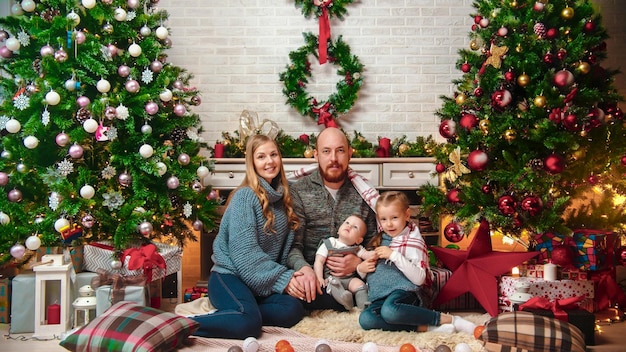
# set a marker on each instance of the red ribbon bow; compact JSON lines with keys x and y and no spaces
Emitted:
{"x":607,"y":290}
{"x":558,"y":306}
{"x":323,"y":116}
{"x":146,"y":258}
{"x":324,"y":29}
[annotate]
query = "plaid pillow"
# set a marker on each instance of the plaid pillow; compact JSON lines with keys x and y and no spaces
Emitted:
{"x":515,"y":331}
{"x":128,"y":326}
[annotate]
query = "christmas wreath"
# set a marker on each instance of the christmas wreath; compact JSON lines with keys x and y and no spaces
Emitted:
{"x":335,"y":8}
{"x":296,"y":77}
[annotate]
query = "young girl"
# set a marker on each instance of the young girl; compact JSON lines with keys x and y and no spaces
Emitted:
{"x":396,"y":279}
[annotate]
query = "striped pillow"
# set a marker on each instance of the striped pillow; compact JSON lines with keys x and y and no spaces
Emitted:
{"x":515,"y":331}
{"x":127,"y":326}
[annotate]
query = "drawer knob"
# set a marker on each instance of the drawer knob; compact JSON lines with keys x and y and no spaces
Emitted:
{"x":231,"y":175}
{"x":411,"y":174}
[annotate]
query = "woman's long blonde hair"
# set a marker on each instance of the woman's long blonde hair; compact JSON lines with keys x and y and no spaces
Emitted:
{"x":251,"y":179}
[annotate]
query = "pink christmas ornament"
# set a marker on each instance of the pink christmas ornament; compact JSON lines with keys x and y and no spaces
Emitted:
{"x":83,"y":101}
{"x":173,"y":182}
{"x":80,"y":37}
{"x":110,"y":112}
{"x":179,"y":110}
{"x":15,"y":195}
{"x":152,"y":108}
{"x":132,"y":86}
{"x":156,"y":66}
{"x":76,"y":151}
{"x":178,"y":84}
{"x":123,"y":71}
{"x":4,"y":178}
{"x":5,"y":52}
{"x":112,"y":49}
{"x":62,"y":139}
{"x":18,"y":251}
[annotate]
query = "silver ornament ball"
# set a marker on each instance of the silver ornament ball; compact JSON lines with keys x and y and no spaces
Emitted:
{"x":115,"y":264}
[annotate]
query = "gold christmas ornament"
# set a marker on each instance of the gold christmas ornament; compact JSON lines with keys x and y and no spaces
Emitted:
{"x":403,"y":148}
{"x":519,"y":48}
{"x":567,"y":13}
{"x":308,"y":153}
{"x":513,"y":4}
{"x":484,"y":126}
{"x":474,"y":44}
{"x":523,"y":80}
{"x":583,"y":67}
{"x":578,"y":154}
{"x":540,"y":101}
{"x":554,"y":192}
{"x":510,"y":135}
{"x":461,"y":98}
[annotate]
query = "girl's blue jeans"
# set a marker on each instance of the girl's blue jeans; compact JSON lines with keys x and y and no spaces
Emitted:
{"x":400,"y":311}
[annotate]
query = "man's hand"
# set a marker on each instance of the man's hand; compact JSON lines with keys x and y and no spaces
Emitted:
{"x":308,"y":287}
{"x":343,"y":266}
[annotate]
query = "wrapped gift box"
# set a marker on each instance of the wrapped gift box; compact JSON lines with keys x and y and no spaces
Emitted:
{"x":574,"y":274}
{"x":23,"y":303}
{"x":104,"y":296}
{"x":98,"y":256}
{"x":595,"y":249}
{"x":580,"y":318}
{"x":551,"y":290}
{"x":193,"y":293}
{"x":531,"y":270}
{"x":545,"y":242}
{"x":5,"y":300}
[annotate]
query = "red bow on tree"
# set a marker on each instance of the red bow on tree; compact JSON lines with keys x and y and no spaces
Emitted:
{"x":324,"y":29}
{"x":146,"y":258}
{"x":558,"y":306}
{"x":324,"y":117}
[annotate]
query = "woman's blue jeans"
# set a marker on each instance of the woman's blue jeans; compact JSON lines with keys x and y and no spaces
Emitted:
{"x":400,"y":311}
{"x":240,"y":314}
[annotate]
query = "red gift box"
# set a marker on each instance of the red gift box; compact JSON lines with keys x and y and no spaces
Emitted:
{"x":574,"y":274}
{"x":193,"y":293}
{"x":595,"y":249}
{"x":551,"y":290}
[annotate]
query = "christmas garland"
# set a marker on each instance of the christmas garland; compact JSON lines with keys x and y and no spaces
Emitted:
{"x":296,"y":77}
{"x":335,"y":8}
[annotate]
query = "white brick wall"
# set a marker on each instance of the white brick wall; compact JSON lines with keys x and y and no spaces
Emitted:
{"x":236,"y":50}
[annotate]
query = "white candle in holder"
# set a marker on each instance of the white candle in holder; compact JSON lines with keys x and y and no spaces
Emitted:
{"x":549,"y":272}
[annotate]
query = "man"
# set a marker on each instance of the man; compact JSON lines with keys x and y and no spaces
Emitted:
{"x":323,"y":200}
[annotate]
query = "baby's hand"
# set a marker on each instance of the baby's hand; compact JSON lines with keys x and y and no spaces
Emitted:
{"x":367,"y":266}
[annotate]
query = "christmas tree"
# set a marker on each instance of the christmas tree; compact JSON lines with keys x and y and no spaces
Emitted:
{"x":536,"y":139}
{"x":98,"y":138}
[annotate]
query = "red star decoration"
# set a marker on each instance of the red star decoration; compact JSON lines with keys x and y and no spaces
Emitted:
{"x":476,"y":270}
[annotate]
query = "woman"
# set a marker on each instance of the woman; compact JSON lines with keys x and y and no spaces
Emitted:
{"x":249,"y":283}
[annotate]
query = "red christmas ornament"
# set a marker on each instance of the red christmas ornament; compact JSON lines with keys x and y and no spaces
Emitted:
{"x":532,"y":204}
{"x":589,"y":26}
{"x":552,"y":33}
{"x":440,"y":168}
{"x":570,"y":121}
{"x":486,"y":189}
{"x":593,"y":179}
{"x":468,"y":121}
{"x":447,"y":129}
{"x":548,"y":58}
{"x":623,"y":160}
{"x":478,"y":92}
{"x":562,"y":255}
{"x":506,"y":205}
{"x":453,"y":195}
{"x":477,"y":160}
{"x":453,"y":232}
{"x":561,"y":54}
{"x":465,"y":67}
{"x":477,"y":19}
{"x":501,"y":98}
{"x":563,"y":79}
{"x":509,"y":76}
{"x":554,"y":164}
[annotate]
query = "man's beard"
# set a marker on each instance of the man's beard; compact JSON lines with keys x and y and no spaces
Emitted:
{"x":333,"y":177}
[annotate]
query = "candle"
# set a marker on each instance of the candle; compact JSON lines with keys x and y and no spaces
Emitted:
{"x":218,"y":150}
{"x":515,"y":272}
{"x":54,"y":314}
{"x":549,"y":272}
{"x":385,"y":145}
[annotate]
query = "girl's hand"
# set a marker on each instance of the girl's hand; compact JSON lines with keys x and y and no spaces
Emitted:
{"x":383,"y":252}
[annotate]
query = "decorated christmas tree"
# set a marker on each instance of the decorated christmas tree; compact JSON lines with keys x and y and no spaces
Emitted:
{"x":98,"y":138}
{"x":536,"y":140}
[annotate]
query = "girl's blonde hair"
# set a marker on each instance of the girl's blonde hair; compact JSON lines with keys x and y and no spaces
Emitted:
{"x":251,"y":179}
{"x":386,"y":199}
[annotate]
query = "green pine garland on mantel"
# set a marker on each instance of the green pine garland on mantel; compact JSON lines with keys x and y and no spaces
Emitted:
{"x":297,"y":76}
{"x":335,"y":8}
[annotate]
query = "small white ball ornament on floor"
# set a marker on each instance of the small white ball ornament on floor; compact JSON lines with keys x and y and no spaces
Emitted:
{"x":370,"y":347}
{"x":250,"y":344}
{"x":323,"y":346}
{"x":462,"y":347}
{"x":234,"y":349}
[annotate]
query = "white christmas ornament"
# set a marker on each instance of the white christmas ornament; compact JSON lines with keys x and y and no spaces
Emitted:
{"x":166,"y":95}
{"x":28,"y":5}
{"x":33,"y":242}
{"x":462,"y":347}
{"x":202,"y":171}
{"x":90,"y":125}
{"x":370,"y":347}
{"x":16,"y":9}
{"x":88,"y":4}
{"x":103,"y":86}
{"x":87,"y":191}
{"x":250,"y":344}
{"x":4,"y":218}
{"x":120,"y":14}
{"x":161,"y":168}
{"x":53,"y":98}
{"x":145,"y":31}
{"x":74,"y":17}
{"x":70,"y":85}
{"x":12,"y":44}
{"x":13,"y":126}
{"x":146,"y":151}
{"x":162,"y":32}
{"x":134,"y":50}
{"x":60,"y":224}
{"x":31,"y":142}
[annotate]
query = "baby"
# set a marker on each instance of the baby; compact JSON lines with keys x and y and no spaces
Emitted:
{"x":348,"y":240}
